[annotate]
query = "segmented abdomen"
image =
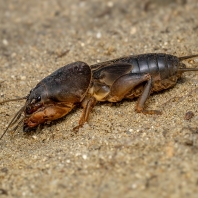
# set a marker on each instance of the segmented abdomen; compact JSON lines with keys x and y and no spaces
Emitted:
{"x":155,"y":64}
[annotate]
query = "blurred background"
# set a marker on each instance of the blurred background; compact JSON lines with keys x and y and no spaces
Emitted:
{"x":119,"y":153}
{"x":98,"y":29}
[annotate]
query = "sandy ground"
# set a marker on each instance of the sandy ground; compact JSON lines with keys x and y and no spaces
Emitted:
{"x":118,"y":153}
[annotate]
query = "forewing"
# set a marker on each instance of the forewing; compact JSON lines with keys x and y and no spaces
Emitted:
{"x":112,"y":72}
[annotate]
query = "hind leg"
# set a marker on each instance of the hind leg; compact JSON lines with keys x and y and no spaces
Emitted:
{"x":142,"y":99}
{"x":123,"y":85}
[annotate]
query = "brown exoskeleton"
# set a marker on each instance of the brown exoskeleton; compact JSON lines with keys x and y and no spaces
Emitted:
{"x":54,"y":96}
{"x":126,"y":77}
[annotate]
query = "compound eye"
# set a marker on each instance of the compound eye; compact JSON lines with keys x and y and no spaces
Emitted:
{"x":38,"y":99}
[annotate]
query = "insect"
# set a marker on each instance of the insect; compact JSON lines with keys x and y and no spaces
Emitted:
{"x":78,"y":83}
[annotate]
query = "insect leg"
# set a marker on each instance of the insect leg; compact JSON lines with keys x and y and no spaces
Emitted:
{"x":123,"y":85}
{"x":142,"y":99}
{"x":88,"y":104}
